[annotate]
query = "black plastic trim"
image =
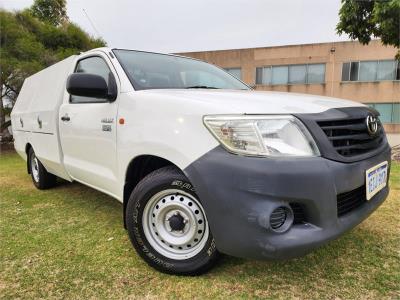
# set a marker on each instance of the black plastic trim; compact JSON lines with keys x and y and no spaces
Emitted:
{"x":239,"y":193}
{"x":324,"y":144}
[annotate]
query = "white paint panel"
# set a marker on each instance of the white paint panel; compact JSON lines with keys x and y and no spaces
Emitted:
{"x":47,"y":149}
{"x":20,"y":141}
{"x":37,"y":109}
{"x":49,"y":89}
{"x":252,"y":102}
{"x":90,"y":154}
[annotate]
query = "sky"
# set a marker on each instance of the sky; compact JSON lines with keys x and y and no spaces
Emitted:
{"x":173,"y":26}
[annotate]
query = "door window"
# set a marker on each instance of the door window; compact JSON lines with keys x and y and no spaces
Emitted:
{"x":93,"y":65}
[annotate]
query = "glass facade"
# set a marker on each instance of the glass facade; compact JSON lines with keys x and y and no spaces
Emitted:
{"x":370,"y":71}
{"x":291,"y":74}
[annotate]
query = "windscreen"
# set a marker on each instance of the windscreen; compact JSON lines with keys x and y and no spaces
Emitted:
{"x":160,"y":71}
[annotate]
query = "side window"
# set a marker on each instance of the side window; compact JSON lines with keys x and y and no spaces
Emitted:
{"x":93,"y":65}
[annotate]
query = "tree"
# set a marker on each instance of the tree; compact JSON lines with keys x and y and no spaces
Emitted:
{"x":53,"y":12}
{"x":28,"y":45}
{"x":363,"y":19}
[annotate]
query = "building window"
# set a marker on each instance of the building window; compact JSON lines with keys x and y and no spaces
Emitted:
{"x":263,"y":75}
{"x":298,"y":74}
{"x":345,"y":71}
{"x":354,"y":71}
{"x":374,"y":70}
{"x":291,"y":74}
{"x":316,"y":73}
{"x":280,"y":75}
{"x":237,"y":72}
{"x":386,"y":70}
{"x":389,"y":112}
{"x":368,"y":71}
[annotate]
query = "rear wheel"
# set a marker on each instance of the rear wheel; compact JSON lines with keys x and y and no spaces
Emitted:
{"x":40,"y":177}
{"x":168,"y":226}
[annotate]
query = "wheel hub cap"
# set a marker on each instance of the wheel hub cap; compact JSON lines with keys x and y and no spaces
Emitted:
{"x":175,"y":224}
{"x":35,"y":168}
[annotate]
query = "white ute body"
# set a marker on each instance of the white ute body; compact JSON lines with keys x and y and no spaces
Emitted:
{"x":202,"y":163}
{"x":164,"y":123}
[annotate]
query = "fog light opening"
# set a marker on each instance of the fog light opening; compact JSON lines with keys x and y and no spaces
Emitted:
{"x":281,"y":219}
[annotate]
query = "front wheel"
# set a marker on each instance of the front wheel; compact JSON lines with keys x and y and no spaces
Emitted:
{"x":168,"y":226}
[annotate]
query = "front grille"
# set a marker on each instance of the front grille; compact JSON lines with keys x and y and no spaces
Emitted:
{"x":346,"y":202}
{"x":299,"y":215}
{"x":350,"y":137}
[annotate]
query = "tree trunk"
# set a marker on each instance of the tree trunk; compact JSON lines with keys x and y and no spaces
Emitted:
{"x":2,"y":114}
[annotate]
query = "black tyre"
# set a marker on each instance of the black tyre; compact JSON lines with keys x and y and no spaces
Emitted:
{"x":167,"y":224}
{"x":40,"y":177}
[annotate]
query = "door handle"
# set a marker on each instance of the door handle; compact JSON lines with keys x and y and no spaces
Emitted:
{"x":39,"y":121}
{"x":65,"y":118}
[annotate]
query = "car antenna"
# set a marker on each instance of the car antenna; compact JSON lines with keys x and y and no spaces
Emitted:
{"x":91,"y":23}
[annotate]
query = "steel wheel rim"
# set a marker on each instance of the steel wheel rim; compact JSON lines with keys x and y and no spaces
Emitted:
{"x":35,"y":168}
{"x":175,"y":244}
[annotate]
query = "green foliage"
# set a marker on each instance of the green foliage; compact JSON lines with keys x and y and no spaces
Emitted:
{"x":29,"y":44}
{"x":53,"y":12}
{"x":363,"y":19}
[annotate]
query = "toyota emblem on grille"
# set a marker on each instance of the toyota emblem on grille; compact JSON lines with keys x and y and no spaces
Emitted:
{"x":372,"y":125}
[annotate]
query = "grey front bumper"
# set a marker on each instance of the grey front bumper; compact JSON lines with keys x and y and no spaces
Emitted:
{"x":239,"y":193}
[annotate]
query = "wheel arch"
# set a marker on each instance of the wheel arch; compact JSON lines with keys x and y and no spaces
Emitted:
{"x":28,"y":147}
{"x":138,"y":168}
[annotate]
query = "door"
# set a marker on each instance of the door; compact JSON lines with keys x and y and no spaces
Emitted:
{"x":88,"y":132}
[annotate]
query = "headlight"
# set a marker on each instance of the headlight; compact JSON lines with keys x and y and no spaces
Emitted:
{"x":274,"y":135}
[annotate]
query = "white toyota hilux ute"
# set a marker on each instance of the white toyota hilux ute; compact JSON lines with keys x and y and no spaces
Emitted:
{"x":202,"y":163}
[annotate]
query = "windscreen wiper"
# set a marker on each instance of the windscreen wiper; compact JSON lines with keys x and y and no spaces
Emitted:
{"x":201,"y":87}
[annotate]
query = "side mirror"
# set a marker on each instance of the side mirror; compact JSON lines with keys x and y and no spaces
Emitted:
{"x":91,"y":85}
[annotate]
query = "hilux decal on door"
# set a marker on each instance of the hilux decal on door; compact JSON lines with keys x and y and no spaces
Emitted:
{"x":106,"y":127}
{"x":107,"y":121}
